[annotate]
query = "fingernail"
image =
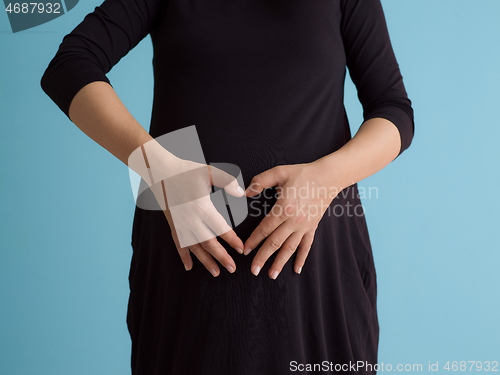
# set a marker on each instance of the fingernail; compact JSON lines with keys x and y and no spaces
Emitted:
{"x":240,"y":190}
{"x":186,"y":267}
{"x":256,"y":270}
{"x":274,"y":275}
{"x":247,"y":251}
{"x":299,"y":270}
{"x":239,"y":250}
{"x":213,"y":271}
{"x":230,"y":269}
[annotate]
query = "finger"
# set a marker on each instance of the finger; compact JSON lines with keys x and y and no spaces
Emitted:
{"x":270,"y":246}
{"x":218,"y":224}
{"x":224,"y":180}
{"x":206,"y":259}
{"x":185,"y":257}
{"x":183,"y":251}
{"x":264,"y":229}
{"x":303,"y":251}
{"x":218,"y":252}
{"x":214,"y":248}
{"x":286,"y":251}
{"x":233,"y":240}
{"x":271,"y":177}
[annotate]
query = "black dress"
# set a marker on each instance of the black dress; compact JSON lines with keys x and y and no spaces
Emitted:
{"x":263,"y":81}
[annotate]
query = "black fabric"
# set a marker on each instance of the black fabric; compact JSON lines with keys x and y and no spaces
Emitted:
{"x":263,"y":82}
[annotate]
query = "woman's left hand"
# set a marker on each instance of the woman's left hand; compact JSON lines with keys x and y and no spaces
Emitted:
{"x":304,"y":192}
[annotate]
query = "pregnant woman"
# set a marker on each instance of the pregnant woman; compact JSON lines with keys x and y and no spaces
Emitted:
{"x":292,"y":288}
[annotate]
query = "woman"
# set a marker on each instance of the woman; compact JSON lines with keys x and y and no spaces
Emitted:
{"x":263,"y":82}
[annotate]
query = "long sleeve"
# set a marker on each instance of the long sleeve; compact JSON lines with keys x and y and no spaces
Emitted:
{"x":96,"y":45}
{"x":373,"y":67}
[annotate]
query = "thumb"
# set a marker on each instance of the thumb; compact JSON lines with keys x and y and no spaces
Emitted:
{"x":226,"y":181}
{"x":264,"y":180}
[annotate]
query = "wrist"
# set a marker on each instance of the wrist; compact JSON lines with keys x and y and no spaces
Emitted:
{"x":333,"y":170}
{"x":153,"y":162}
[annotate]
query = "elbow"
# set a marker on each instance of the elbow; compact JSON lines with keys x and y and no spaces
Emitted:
{"x":406,"y":125}
{"x":48,"y":83}
{"x":400,"y":112}
{"x":64,"y":78}
{"x":45,"y":82}
{"x":52,"y":85}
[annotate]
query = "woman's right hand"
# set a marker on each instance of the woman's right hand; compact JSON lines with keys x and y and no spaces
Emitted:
{"x":182,"y":189}
{"x":99,"y":113}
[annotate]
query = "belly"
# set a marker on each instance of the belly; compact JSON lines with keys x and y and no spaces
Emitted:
{"x":262,"y":81}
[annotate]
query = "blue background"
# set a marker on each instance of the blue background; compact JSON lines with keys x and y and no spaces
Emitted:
{"x":66,"y":205}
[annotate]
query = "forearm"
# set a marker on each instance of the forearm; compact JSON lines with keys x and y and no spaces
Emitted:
{"x":374,"y":146}
{"x":98,"y":111}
